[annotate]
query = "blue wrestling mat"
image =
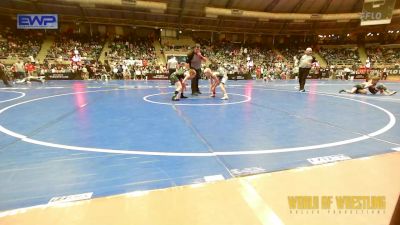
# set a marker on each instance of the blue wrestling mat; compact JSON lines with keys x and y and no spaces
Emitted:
{"x":71,"y":137}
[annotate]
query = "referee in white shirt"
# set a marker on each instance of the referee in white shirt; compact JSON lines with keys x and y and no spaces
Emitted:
{"x":172,"y":65}
{"x":305,"y":64}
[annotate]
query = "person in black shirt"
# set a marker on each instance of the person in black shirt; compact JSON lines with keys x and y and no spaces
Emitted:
{"x":3,"y":75}
{"x":194,"y":59}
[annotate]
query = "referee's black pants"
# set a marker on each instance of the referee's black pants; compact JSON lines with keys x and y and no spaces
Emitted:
{"x":303,"y":73}
{"x":195,"y":82}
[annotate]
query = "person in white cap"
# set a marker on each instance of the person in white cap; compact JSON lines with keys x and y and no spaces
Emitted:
{"x":305,"y":64}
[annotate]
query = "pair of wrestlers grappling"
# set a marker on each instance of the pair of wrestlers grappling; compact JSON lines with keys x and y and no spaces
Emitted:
{"x":372,"y":86}
{"x":217,"y":78}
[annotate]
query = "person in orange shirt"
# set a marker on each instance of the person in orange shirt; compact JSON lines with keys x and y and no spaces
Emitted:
{"x":31,"y":68}
{"x":258,"y":72}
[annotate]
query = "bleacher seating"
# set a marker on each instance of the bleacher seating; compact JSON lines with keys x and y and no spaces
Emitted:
{"x":65,"y":45}
{"x":20,"y":44}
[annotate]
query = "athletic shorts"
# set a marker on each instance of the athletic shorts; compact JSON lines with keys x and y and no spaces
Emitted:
{"x":175,"y":78}
{"x":373,"y":90}
{"x":359,"y":86}
{"x":223,"y":79}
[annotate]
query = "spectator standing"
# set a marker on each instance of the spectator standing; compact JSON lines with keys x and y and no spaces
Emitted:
{"x":171,"y":65}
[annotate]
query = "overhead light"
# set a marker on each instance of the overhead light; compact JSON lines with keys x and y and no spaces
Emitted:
{"x":236,"y":12}
{"x":211,"y":15}
{"x":180,"y":31}
{"x":397,"y":32}
{"x":160,"y":29}
{"x":153,"y":6}
{"x":315,"y":16}
{"x":348,"y":35}
{"x":263,"y":19}
{"x":128,"y":2}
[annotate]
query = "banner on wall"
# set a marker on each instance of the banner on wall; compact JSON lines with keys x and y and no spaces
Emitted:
{"x":37,"y":21}
{"x":377,"y":12}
